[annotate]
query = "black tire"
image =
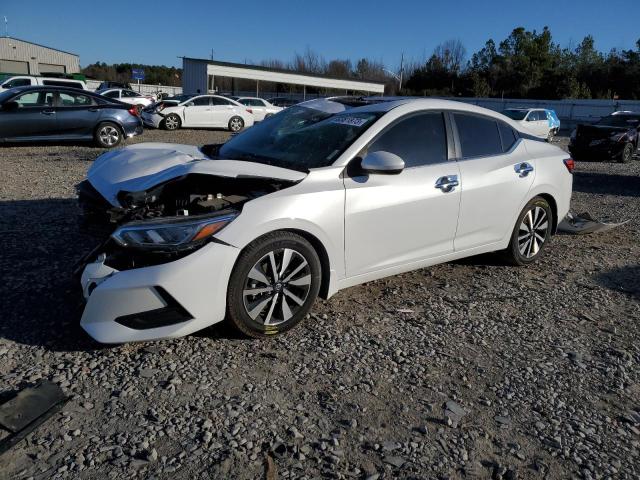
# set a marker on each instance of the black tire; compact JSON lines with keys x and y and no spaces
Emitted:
{"x":107,"y":135}
{"x":236,"y":124}
{"x":521,"y":252}
{"x":627,"y":153}
{"x":271,"y":317}
{"x":172,"y":122}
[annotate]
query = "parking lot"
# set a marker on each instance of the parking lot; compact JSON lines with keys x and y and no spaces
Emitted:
{"x":539,"y":365}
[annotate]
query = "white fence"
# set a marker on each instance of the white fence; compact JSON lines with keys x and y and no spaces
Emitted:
{"x":569,"y":111}
{"x":142,"y":88}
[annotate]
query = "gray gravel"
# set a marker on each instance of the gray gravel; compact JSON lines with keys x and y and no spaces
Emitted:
{"x":466,"y":370}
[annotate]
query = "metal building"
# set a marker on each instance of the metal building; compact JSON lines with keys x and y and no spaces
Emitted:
{"x":198,"y":76}
{"x":20,"y":56}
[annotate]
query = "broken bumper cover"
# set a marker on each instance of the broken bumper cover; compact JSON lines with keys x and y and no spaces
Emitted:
{"x":162,"y":301}
{"x":152,"y":119}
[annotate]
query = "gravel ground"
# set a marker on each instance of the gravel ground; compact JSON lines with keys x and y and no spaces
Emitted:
{"x":465,"y":370}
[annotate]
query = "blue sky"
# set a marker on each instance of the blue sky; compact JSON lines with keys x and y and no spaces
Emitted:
{"x":158,"y":32}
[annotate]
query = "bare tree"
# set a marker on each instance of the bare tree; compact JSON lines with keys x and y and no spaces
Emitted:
{"x":451,"y":55}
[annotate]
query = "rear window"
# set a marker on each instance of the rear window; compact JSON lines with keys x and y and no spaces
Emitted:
{"x":479,"y":136}
{"x":515,"y":114}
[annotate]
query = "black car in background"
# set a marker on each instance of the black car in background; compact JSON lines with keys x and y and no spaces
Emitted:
{"x":283,"y":102}
{"x":107,"y":85}
{"x":613,"y":137}
{"x":48,"y":113}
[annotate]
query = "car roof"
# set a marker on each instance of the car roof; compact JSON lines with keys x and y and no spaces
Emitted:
{"x":28,"y":88}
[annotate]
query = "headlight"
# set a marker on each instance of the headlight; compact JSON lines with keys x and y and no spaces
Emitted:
{"x":170,"y":235}
{"x":618,"y":137}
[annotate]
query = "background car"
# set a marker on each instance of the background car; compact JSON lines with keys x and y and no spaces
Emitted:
{"x":319,"y":198}
{"x":200,"y":111}
{"x":28,"y":80}
{"x":108,"y":84}
{"x":616,"y":136}
{"x":540,"y":122}
{"x":128,"y":96}
{"x":58,"y":113}
{"x":260,"y":108}
{"x":283,"y":102}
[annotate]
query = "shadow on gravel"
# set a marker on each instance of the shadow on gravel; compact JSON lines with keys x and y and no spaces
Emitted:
{"x":606,"y":184}
{"x":41,"y":303}
{"x":625,"y":280}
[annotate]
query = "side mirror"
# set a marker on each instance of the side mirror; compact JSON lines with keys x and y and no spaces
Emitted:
{"x":10,"y":106}
{"x":382,"y":162}
{"x":190,"y":104}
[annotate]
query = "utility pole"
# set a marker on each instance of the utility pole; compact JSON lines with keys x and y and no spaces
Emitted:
{"x":6,"y":26}
{"x":212,"y":54}
{"x":401,"y":72}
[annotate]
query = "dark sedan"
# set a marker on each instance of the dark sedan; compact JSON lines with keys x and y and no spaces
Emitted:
{"x":613,"y":137}
{"x":47,"y":113}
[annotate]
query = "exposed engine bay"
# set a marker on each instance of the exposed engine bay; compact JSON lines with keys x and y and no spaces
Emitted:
{"x":193,"y":195}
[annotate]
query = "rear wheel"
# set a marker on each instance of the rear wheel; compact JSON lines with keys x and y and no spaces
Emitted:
{"x":273,"y":285}
{"x":236,"y":124}
{"x":172,"y":122}
{"x":627,"y":153}
{"x":107,"y":135}
{"x":531,"y":233}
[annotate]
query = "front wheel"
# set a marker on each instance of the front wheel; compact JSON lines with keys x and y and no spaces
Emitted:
{"x":627,"y":153}
{"x":273,"y":285}
{"x":236,"y":124}
{"x":172,"y":122}
{"x":531,"y":233}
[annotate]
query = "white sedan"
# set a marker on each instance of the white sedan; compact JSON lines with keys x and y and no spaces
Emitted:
{"x":321,"y":197}
{"x":260,"y":108}
{"x":128,"y":96}
{"x":201,"y":111}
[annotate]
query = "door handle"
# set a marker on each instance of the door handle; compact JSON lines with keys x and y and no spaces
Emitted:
{"x":93,"y":109}
{"x":47,"y":112}
{"x":523,"y":169}
{"x":448,"y":183}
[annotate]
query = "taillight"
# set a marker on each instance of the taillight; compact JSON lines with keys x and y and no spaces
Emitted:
{"x":249,"y":110}
{"x":133,"y":111}
{"x":570,"y":164}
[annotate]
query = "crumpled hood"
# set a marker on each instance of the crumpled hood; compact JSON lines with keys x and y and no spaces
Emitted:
{"x":145,"y":165}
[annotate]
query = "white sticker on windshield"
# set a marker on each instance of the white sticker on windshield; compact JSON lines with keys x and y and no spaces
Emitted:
{"x":351,"y":121}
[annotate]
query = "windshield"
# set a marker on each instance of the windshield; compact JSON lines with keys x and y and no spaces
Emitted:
{"x":299,"y":138}
{"x":179,"y":98}
{"x":515,"y":114}
{"x":627,"y":121}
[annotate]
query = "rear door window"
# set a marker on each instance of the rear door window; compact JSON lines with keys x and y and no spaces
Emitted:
{"x":74,"y":100}
{"x":479,"y":135}
{"x":507,"y":136}
{"x":419,"y":140}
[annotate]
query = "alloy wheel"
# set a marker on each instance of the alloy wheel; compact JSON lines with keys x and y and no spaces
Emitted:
{"x":235,"y":124}
{"x":109,"y":135}
{"x":171,"y":123}
{"x":533,"y":232}
{"x":277,"y":286}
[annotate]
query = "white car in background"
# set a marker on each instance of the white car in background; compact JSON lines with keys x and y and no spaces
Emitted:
{"x":201,"y":111}
{"x":128,"y":96}
{"x":260,"y":108}
{"x":539,"y":122}
{"x":321,"y":197}
{"x":12,"y":81}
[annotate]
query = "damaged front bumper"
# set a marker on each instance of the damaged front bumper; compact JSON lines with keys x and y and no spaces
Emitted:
{"x":160,"y":301}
